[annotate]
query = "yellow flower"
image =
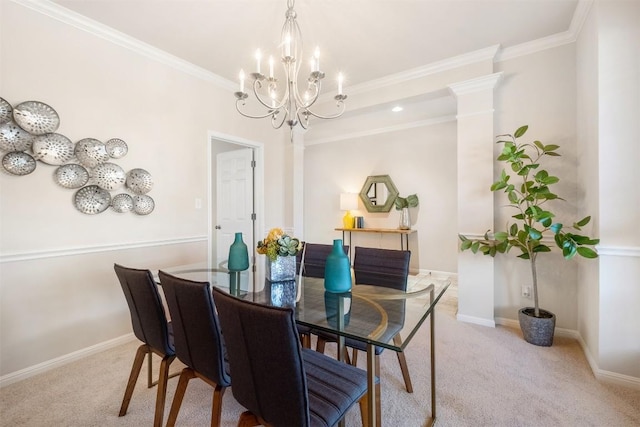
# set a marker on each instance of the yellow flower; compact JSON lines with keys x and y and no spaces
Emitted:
{"x":277,"y":243}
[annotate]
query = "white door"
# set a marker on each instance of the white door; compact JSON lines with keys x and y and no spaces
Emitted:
{"x":234,"y":204}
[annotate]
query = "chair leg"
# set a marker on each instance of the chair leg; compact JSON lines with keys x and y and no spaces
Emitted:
{"x":216,"y":407}
{"x":186,"y":375}
{"x":150,"y":382}
{"x":378,"y":406}
{"x":320,"y":345}
{"x":305,"y":340}
{"x":364,"y":409}
{"x":354,"y":360}
{"x":248,"y":419}
{"x":403,"y":365}
{"x":161,"y":396}
{"x":133,"y":377}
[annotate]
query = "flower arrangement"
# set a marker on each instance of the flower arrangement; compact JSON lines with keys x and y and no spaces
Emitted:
{"x":277,"y":243}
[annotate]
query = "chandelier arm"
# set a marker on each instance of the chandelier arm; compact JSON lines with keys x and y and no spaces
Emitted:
{"x":339,"y":104}
{"x":269,"y":113}
{"x":274,"y":119}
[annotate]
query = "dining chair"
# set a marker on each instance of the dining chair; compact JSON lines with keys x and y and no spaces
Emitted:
{"x":150,"y":326}
{"x":387,"y":268}
{"x":198,"y":341}
{"x":279,"y":382}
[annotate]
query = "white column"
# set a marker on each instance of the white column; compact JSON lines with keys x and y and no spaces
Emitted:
{"x":297,"y":189}
{"x":476,"y":141}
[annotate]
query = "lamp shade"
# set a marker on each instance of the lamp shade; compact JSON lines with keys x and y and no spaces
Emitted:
{"x":348,"y":201}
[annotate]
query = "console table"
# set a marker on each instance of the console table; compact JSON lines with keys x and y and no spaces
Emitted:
{"x":404,"y":235}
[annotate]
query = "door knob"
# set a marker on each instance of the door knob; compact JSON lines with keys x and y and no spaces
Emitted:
{"x":218,"y":227}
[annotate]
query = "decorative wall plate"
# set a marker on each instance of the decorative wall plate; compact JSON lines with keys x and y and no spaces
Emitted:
{"x":139,"y":181}
{"x":6,"y":111}
{"x":122,"y":202}
{"x":52,"y":149}
{"x":14,"y":138}
{"x":18,"y":163}
{"x":143,"y":204}
{"x":71,"y":176}
{"x":36,"y":117}
{"x":92,"y":199}
{"x":108,"y":176}
{"x":91,"y":152}
{"x":116,"y":148}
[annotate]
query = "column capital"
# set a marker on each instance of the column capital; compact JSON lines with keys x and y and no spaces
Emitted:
{"x":478,"y":84}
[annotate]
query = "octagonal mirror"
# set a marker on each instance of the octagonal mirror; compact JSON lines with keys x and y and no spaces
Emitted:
{"x":378,"y":193}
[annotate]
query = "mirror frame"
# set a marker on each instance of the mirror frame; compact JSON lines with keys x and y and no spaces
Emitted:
{"x":391,"y":197}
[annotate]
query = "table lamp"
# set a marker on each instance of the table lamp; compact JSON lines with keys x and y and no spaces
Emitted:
{"x":348,"y":202}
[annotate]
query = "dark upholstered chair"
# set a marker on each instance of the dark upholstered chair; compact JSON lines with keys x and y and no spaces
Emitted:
{"x":278,"y":381}
{"x":388,"y":268}
{"x":198,"y":340}
{"x":149,"y":326}
{"x":310,"y":262}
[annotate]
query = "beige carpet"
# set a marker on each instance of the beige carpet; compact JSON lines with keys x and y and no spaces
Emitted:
{"x":485,"y":377}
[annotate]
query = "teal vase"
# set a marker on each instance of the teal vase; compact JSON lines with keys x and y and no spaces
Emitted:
{"x":238,"y":255}
{"x":337,"y":270}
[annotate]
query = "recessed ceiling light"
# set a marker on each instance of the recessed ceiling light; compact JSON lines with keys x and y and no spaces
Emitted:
{"x":396,"y":109}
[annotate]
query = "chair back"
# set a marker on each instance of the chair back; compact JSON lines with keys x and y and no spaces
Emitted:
{"x":196,"y":329}
{"x":266,"y":360}
{"x":148,"y":318}
{"x":315,"y":258}
{"x":382,"y":267}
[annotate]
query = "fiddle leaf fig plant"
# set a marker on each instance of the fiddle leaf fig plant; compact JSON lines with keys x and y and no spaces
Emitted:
{"x":410,"y":201}
{"x":528,"y":189}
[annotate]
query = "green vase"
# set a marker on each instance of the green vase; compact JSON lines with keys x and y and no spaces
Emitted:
{"x":238,"y":255}
{"x":337,"y":270}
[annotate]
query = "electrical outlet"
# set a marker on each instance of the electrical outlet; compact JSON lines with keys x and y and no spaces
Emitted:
{"x":526,"y":291}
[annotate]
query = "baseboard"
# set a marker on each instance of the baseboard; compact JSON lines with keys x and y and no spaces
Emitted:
{"x":476,"y":320}
{"x":31,"y":371}
{"x":600,"y":374}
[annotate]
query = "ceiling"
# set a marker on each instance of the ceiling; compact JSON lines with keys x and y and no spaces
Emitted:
{"x":364,"y":39}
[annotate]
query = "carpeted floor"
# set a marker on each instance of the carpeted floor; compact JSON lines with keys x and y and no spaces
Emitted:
{"x":485,"y":377}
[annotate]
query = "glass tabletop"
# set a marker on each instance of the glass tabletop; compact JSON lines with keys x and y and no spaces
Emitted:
{"x":371,"y":314}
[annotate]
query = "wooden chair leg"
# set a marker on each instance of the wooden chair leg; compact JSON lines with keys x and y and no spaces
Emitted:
{"x":186,"y":375}
{"x":216,"y":406}
{"x":248,"y":419}
{"x":150,"y":382}
{"x":354,"y":359}
{"x":133,"y":377}
{"x":403,"y":365}
{"x":364,"y":409}
{"x":161,"y":396}
{"x":305,"y":340}
{"x":320,"y":345}
{"x":378,"y":406}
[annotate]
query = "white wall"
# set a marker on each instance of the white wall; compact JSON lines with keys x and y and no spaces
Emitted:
{"x":58,"y":290}
{"x":610,"y":43}
{"x":420,"y":161}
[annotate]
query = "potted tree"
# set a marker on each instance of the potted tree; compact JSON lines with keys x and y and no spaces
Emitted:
{"x":528,"y":189}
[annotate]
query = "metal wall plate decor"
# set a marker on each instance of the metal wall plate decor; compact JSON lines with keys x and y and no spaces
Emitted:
{"x":108,"y":176}
{"x":122,"y":203}
{"x":52,"y":149}
{"x":143,"y":204}
{"x":116,"y":148}
{"x":6,"y":111}
{"x":18,"y":163}
{"x":36,"y":117}
{"x":71,"y":176}
{"x":14,"y":138}
{"x":92,"y":199}
{"x":91,"y":152}
{"x":139,"y":181}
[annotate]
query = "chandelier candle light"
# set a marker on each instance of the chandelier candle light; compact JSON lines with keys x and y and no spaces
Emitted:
{"x":292,"y":107}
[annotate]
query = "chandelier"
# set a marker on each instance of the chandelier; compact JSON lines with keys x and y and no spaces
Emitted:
{"x":286,"y":104}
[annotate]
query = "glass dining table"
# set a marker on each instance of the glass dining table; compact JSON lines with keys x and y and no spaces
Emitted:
{"x":370,"y":314}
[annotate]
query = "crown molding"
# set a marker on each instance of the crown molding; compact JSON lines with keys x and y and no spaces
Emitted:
{"x":88,"y":25}
{"x":478,"y":84}
{"x":381,"y":130}
{"x":570,"y":36}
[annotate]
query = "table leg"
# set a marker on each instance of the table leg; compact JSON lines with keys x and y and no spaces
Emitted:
{"x":432,"y":420}
{"x":371,"y":385}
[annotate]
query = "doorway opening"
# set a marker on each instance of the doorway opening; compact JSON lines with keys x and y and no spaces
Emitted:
{"x":236,"y":200}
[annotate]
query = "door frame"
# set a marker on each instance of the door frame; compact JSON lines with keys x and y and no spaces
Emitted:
{"x":258,"y":189}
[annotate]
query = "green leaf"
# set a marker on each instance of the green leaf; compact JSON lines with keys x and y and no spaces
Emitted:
{"x":587,"y":252}
{"x":535,"y":234}
{"x":551,"y":147}
{"x":556,"y":227}
{"x":412,"y":200}
{"x":499,"y":185}
{"x":550,"y":180}
{"x":584,"y":221}
{"x":553,"y":154}
{"x":475,"y":246}
{"x":521,"y":131}
{"x":513,"y":230}
{"x":466,"y":245}
{"x":463,"y":238}
{"x":539,"y":145}
{"x":513,"y":197}
{"x":501,"y":236}
{"x":542,"y":248}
